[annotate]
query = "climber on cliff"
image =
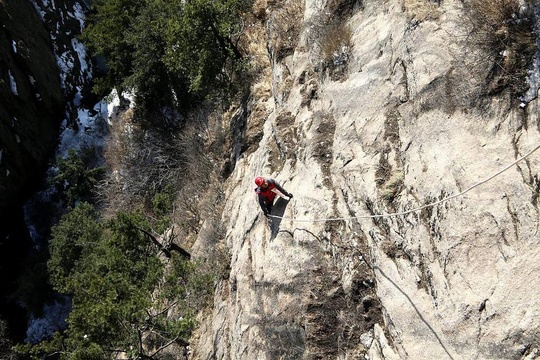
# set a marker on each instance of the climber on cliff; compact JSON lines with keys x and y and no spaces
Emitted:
{"x":266,"y":193}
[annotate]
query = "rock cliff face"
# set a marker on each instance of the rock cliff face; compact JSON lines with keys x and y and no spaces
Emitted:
{"x":40,"y":67}
{"x":32,"y":101}
{"x":394,"y":125}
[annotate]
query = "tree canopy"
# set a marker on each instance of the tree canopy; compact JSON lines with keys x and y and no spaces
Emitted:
{"x":169,"y":52}
{"x":75,"y":180}
{"x":121,"y":294}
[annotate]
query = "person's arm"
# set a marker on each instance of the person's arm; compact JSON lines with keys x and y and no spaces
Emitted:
{"x":281,"y":189}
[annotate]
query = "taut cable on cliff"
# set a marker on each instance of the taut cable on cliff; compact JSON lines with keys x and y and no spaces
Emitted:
{"x":420,"y":207}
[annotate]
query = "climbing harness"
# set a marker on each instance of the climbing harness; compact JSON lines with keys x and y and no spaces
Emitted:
{"x":420,"y":207}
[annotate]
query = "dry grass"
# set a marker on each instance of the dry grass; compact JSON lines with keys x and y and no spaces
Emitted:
{"x":336,"y":43}
{"x":502,"y":33}
{"x":492,"y":14}
{"x":329,"y":37}
{"x":262,"y":89}
{"x":284,"y":27}
{"x":259,"y":10}
{"x":392,"y":186}
{"x":253,"y":44}
{"x":116,"y":153}
{"x":421,"y":10}
{"x":283,"y":89}
{"x":331,"y":42}
{"x":335,"y":318}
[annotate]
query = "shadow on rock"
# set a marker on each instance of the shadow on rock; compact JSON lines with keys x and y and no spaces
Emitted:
{"x":277,"y":210}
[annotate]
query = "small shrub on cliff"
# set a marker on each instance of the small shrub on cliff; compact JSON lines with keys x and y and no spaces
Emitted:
{"x":142,"y":163}
{"x":503,"y":31}
{"x":336,"y":44}
{"x":162,"y":206}
{"x":332,"y":36}
{"x":284,"y":27}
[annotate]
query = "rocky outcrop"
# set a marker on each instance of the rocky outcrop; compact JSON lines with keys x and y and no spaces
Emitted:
{"x":396,"y":124}
{"x":32,"y":101}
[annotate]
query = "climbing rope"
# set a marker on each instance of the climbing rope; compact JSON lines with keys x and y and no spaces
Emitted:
{"x":420,"y":207}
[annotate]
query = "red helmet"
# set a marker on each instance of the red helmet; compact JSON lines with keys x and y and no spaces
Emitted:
{"x":259,"y":180}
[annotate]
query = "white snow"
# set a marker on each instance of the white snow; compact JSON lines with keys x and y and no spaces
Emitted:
{"x":14,"y":46}
{"x":90,"y":133}
{"x":53,"y":319}
{"x":113,"y":103}
{"x":39,"y":10}
{"x":12,"y":83}
{"x":81,"y":51}
{"x":79,"y":14}
{"x":65,"y":63}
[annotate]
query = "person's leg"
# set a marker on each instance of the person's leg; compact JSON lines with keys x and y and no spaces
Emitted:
{"x":269,"y":205}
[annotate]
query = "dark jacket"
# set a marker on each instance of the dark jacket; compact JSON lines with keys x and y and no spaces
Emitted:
{"x":266,"y":196}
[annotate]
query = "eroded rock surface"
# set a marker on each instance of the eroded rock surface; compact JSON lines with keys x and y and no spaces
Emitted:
{"x":402,"y":126}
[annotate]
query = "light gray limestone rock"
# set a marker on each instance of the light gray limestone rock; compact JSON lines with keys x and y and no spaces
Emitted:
{"x":400,"y":130}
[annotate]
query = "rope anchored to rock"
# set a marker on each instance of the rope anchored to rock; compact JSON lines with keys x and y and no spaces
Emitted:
{"x":401,"y":213}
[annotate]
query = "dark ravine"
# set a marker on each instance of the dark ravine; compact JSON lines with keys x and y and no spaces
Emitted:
{"x":34,"y":103}
{"x":30,"y":117}
{"x":15,"y":243}
{"x":30,"y":120}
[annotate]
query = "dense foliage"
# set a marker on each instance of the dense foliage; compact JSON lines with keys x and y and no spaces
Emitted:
{"x":170,"y":53}
{"x":75,"y":180}
{"x":122,"y":293}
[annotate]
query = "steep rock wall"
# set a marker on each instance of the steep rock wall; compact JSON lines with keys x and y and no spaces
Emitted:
{"x":401,"y":126}
{"x":32,"y":102}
